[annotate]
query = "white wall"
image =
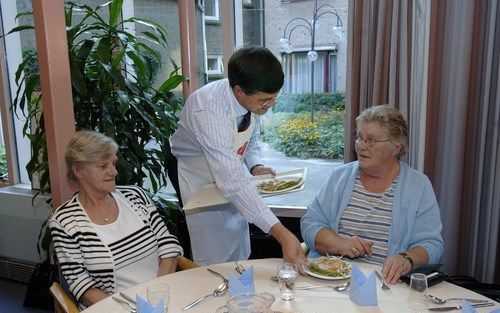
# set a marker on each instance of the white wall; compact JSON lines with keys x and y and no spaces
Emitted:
{"x":20,"y":222}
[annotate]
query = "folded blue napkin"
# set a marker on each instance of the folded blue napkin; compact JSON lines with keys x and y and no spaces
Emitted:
{"x":143,"y":306}
{"x":241,"y":284}
{"x":467,"y":308}
{"x":363,"y":290}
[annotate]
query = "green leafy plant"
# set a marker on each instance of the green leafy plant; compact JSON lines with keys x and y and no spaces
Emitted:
{"x":295,"y":103}
{"x":111,"y":95}
{"x":296,"y":136}
{"x":3,"y":160}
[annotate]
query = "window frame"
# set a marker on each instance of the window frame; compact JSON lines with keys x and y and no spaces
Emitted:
{"x":219,"y":70}
{"x":212,"y":18}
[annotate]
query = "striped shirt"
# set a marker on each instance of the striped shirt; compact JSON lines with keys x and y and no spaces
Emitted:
{"x":86,"y":261}
{"x":369,"y":216}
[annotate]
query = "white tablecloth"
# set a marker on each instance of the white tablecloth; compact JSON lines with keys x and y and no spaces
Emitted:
{"x":186,"y":286}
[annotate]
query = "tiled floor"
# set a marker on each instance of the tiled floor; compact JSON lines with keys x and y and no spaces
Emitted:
{"x":12,"y":296}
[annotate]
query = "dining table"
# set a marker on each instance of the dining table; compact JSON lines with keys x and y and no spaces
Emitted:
{"x":188,"y":285}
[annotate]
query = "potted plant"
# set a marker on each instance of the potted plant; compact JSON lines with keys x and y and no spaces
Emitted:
{"x":111,"y":95}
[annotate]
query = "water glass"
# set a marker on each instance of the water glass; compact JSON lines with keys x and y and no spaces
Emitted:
{"x":287,"y":275}
{"x":156,"y":293}
{"x":418,"y":299}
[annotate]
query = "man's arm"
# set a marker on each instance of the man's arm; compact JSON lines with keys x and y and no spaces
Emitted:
{"x":290,"y":245}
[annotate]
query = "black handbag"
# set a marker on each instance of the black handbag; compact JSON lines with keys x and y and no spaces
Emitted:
{"x":38,"y":294}
{"x":491,"y":291}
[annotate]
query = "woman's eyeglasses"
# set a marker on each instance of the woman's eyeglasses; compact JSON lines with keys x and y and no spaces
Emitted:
{"x":370,"y":142}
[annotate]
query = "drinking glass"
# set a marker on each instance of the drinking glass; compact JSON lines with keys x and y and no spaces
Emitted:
{"x":418,"y":298}
{"x":287,"y":275}
{"x":158,"y":292}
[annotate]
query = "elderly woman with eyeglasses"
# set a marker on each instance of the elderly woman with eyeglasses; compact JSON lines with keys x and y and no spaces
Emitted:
{"x":377,"y":209}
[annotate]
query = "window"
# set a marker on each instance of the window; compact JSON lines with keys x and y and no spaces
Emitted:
{"x":297,"y":68}
{"x":214,"y":65}
{"x":211,"y":10}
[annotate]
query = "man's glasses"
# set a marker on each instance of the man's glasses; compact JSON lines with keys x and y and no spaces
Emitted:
{"x":267,"y":103}
{"x":368,"y":141}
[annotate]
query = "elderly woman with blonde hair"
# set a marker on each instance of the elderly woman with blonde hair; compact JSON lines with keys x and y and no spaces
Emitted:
{"x":107,"y":238}
{"x":377,"y":209}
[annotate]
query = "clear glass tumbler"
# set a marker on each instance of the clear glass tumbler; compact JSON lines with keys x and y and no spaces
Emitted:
{"x":418,"y":299}
{"x":287,"y":275}
{"x":157,"y":293}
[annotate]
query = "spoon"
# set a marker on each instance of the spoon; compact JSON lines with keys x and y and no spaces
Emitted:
{"x":218,"y":292}
{"x":437,"y":300}
{"x":224,"y":279}
{"x":340,"y":287}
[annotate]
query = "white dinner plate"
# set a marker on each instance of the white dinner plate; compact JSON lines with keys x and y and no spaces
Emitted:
{"x":308,"y":272}
{"x":311,"y":273}
{"x":301,"y":182}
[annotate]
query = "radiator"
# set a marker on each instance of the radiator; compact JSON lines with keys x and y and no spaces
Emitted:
{"x":16,"y":269}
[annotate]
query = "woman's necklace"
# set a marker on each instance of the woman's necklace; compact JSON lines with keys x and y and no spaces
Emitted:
{"x":107,"y":208}
{"x":87,"y":204}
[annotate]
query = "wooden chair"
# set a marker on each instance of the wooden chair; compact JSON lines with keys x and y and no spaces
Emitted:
{"x":184,"y":263}
{"x":62,"y":301}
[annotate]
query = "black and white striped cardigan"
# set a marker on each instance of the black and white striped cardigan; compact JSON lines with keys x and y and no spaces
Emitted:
{"x":84,"y":260}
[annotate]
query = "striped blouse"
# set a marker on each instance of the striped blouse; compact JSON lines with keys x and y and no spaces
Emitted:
{"x":369,"y":216}
{"x":86,"y":262}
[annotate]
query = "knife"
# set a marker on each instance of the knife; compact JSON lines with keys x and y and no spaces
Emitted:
{"x":127,"y":298}
{"x":131,"y":308}
{"x":459,"y":307}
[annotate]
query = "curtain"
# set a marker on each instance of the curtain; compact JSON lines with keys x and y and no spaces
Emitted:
{"x":450,"y":98}
{"x":378,"y":59}
{"x":462,"y":152}
{"x":298,"y":72}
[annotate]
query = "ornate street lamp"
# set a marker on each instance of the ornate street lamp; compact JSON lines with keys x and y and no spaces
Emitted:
{"x":312,"y":55}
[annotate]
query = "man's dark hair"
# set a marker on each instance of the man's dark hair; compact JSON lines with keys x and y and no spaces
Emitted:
{"x":255,"y":69}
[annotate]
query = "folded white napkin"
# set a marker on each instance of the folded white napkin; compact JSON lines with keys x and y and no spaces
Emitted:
{"x":241,"y":284}
{"x":143,"y":306}
{"x":363,"y":290}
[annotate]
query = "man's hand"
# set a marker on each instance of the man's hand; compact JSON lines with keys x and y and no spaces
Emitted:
{"x":290,"y":246}
{"x":262,"y":170}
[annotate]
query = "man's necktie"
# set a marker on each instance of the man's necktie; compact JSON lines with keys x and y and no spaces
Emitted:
{"x":245,"y":122}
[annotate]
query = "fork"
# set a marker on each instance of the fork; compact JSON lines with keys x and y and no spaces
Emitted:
{"x":239,"y":268}
{"x":382,"y":280}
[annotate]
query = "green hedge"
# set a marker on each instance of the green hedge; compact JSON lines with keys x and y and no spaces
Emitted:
{"x":296,"y":136}
{"x":297,"y":103}
{"x":3,"y":160}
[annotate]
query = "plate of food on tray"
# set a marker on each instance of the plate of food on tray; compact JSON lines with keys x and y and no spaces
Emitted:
{"x":328,"y":267}
{"x":278,"y":185}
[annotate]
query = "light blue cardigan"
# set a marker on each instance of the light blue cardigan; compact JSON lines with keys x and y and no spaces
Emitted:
{"x":416,"y":220}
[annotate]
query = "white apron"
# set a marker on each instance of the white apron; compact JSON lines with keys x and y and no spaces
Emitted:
{"x":220,"y":233}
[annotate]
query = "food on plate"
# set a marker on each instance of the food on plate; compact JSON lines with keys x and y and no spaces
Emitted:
{"x":330,"y":266}
{"x":278,"y":184}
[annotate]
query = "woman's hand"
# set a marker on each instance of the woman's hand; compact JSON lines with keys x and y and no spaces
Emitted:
{"x":394,"y":267}
{"x":328,"y":242}
{"x":355,"y":247}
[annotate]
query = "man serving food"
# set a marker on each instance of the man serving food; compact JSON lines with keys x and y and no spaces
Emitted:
{"x":216,"y":142}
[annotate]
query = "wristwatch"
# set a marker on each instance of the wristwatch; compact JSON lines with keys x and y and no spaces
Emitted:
{"x":408,"y":258}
